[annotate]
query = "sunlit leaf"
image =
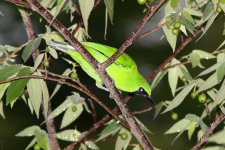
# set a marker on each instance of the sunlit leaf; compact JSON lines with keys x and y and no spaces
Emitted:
{"x":69,"y":135}
{"x":38,"y":62}
{"x":29,"y":131}
{"x":42,"y":139}
{"x":195,"y":59}
{"x":123,"y":139}
{"x":71,"y":114}
{"x":35,"y":94}
{"x":158,"y":78}
{"x":217,"y":137}
{"x":111,"y":128}
{"x":172,"y":39}
{"x":7,"y":71}
{"x":210,"y":82}
{"x":16,"y":88}
{"x":53,"y":52}
{"x":45,"y":96}
{"x":191,"y":129}
{"x":179,"y":126}
{"x":179,"y":98}
{"x":213,"y":148}
{"x":174,"y":3}
{"x":1,"y":109}
{"x":173,"y":77}
{"x":32,"y":142}
{"x":30,"y":48}
{"x":110,"y":8}
{"x":220,"y":71}
{"x":91,"y":145}
{"x":86,"y":7}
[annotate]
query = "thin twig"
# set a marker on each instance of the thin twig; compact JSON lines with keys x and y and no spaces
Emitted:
{"x":178,"y":50}
{"x":94,"y":114}
{"x":212,"y":127}
{"x":142,"y":111}
{"x":132,"y":37}
{"x":134,"y":127}
{"x":71,"y":85}
{"x":94,"y":127}
{"x":49,"y":122}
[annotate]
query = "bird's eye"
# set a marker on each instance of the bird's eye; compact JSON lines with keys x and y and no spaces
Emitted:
{"x":141,"y":90}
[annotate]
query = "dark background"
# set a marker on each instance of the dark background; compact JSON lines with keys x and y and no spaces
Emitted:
{"x":148,"y":54}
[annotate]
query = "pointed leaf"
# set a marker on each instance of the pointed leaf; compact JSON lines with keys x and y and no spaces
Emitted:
{"x":71,"y":114}
{"x":209,"y":83}
{"x":16,"y":88}
{"x":178,"y":126}
{"x":217,"y":137}
{"x":69,"y":135}
{"x":42,"y":139}
{"x":53,"y":52}
{"x":110,"y":8}
{"x":1,"y":109}
{"x":179,"y":98}
{"x":91,"y":145}
{"x":195,"y":59}
{"x":86,"y":7}
{"x":35,"y":94}
{"x":173,"y":77}
{"x":38,"y":62}
{"x":123,"y":139}
{"x":7,"y":71}
{"x":172,"y":39}
{"x":29,"y":131}
{"x":30,"y":48}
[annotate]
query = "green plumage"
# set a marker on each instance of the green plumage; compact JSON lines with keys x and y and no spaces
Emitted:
{"x":123,"y":71}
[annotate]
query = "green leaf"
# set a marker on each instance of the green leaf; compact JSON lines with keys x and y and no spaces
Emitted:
{"x":42,"y":139}
{"x":137,"y":147}
{"x":208,"y":9}
{"x":158,"y":109}
{"x":71,"y":114}
{"x":30,"y":48}
{"x":38,"y":62}
{"x":1,"y":109}
{"x":213,"y":148}
{"x":53,"y":52}
{"x":86,"y":7}
{"x":195,"y":59}
{"x":179,"y":126}
{"x":69,"y":135}
{"x":158,"y":78}
{"x":174,"y":3}
{"x":143,"y":127}
{"x":29,"y":131}
{"x":208,"y":70}
{"x":220,"y":95}
{"x":3,"y":88}
{"x":172,"y":39}
{"x":110,"y":8}
{"x":209,"y":83}
{"x":220,"y":71}
{"x":61,"y":108}
{"x":34,"y":89}
{"x":179,"y":98}
{"x":191,"y":129}
{"x":173,"y":77}
{"x":217,"y":137}
{"x":16,"y":88}
{"x":45,"y":96}
{"x":7,"y":71}
{"x":203,"y":54}
{"x":91,"y":145}
{"x":123,"y":139}
{"x":32,"y":142}
{"x":111,"y":128}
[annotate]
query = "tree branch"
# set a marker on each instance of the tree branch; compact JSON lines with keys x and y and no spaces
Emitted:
{"x":213,"y":125}
{"x":178,"y":50}
{"x":132,"y":37}
{"x":134,"y":127}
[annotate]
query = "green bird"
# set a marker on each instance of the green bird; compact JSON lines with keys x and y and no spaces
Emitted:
{"x":123,"y":71}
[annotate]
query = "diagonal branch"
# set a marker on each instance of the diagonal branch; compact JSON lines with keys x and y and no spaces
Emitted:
{"x":134,"y":34}
{"x":178,"y":50}
{"x":213,"y":125}
{"x":134,"y":127}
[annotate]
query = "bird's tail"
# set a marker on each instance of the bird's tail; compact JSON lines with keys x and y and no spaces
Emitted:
{"x":60,"y":46}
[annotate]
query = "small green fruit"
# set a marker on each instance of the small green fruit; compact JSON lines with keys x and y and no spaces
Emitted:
{"x":73,"y":75}
{"x":184,"y":79}
{"x":37,"y":147}
{"x":218,"y":9}
{"x":174,"y":116}
{"x":193,"y":94}
{"x":74,"y":108}
{"x":46,"y":63}
{"x":177,"y":25}
{"x":202,"y":98}
{"x":141,"y":2}
{"x":175,"y":31}
{"x":123,"y":136}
